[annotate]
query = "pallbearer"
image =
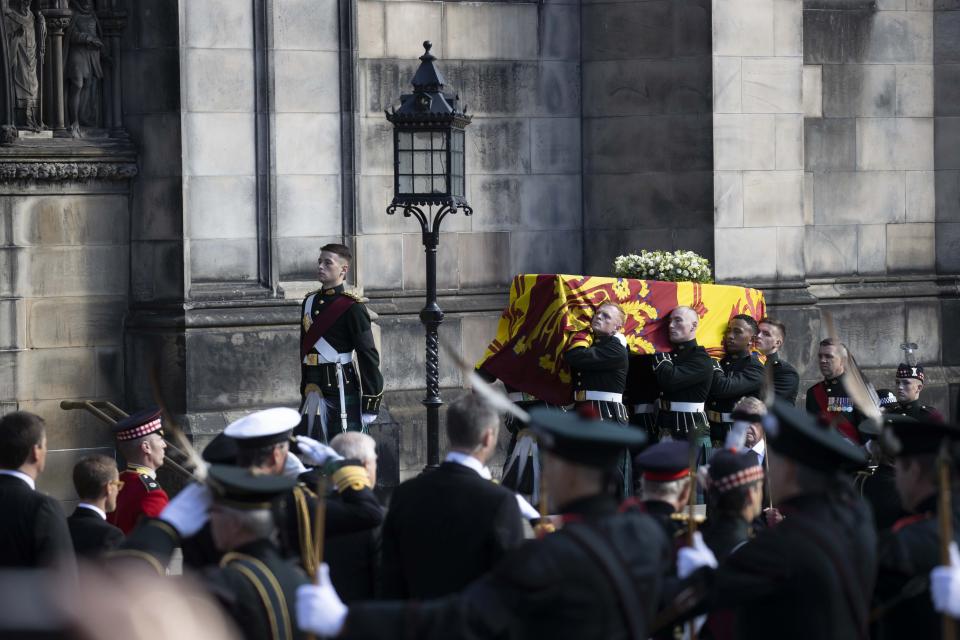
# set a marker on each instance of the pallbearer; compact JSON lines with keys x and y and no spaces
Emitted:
{"x":599,"y":370}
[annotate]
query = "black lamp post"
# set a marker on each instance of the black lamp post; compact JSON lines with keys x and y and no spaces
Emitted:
{"x":428,"y":183}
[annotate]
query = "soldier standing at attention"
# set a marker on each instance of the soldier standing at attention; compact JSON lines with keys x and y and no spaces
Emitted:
{"x":829,"y":398}
{"x":684,"y":377}
{"x":739,"y":374}
{"x":910,"y":381}
{"x":770,"y":337}
{"x":140,"y":442}
{"x":334,"y":324}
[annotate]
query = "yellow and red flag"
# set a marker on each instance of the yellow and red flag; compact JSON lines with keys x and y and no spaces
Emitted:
{"x":545,"y":312}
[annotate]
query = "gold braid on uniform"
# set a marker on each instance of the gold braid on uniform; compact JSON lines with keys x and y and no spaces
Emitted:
{"x":261,"y":591}
{"x":351,"y":476}
{"x":139,"y":555}
{"x":308,"y":557}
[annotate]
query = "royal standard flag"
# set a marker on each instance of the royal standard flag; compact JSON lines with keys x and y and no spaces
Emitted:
{"x":546,"y":312}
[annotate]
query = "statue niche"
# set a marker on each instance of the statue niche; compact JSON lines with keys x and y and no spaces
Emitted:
{"x":24,"y":40}
{"x":83,"y":73}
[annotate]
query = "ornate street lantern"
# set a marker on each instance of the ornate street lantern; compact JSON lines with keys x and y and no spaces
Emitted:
{"x":429,"y":183}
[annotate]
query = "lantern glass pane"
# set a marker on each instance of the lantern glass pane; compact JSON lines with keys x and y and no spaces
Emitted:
{"x":421,"y":162}
{"x":439,"y":140}
{"x":405,"y":162}
{"x":422,"y":139}
{"x":457,"y":182}
{"x":421,"y":184}
{"x":456,"y":143}
{"x":440,"y":163}
{"x":405,"y":184}
{"x":440,"y":184}
{"x":456,"y":162}
{"x":404,"y":140}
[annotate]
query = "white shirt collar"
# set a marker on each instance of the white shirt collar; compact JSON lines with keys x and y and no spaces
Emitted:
{"x":761,"y":449}
{"x":100,"y":512}
{"x":468,"y":461}
{"x":20,"y":474}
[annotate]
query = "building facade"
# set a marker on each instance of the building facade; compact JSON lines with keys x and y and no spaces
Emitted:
{"x":808,"y":148}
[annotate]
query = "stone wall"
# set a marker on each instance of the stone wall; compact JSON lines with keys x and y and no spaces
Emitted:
{"x":63,"y":298}
{"x":869,"y":145}
{"x":647,"y":128}
{"x":758,"y":139}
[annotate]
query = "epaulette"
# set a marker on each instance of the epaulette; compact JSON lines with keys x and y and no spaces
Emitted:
{"x":352,"y":295}
{"x":351,"y":476}
{"x":150,"y":483}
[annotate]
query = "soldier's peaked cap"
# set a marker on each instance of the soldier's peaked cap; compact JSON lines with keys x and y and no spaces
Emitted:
{"x":905,"y":437}
{"x":138,"y":425}
{"x":795,"y":434}
{"x":591,"y":443}
{"x":665,"y":461}
{"x":263,"y":428}
{"x":239,"y":488}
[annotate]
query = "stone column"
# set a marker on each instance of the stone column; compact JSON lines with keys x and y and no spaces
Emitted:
{"x":57,"y":22}
{"x":758,"y":139}
{"x":112,"y":24}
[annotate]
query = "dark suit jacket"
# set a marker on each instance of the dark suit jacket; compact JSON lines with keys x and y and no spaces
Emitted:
{"x":33,"y":529}
{"x":444,"y":529}
{"x":92,"y":535}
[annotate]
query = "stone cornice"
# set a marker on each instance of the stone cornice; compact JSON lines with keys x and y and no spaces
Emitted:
{"x":61,"y":160}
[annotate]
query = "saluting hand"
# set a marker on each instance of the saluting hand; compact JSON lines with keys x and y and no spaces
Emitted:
{"x":315,"y":452}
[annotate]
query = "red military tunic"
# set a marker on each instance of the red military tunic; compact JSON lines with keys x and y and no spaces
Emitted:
{"x":141,"y":496}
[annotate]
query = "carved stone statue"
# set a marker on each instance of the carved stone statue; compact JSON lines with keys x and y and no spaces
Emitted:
{"x":25,"y":35}
{"x":82,"y":72}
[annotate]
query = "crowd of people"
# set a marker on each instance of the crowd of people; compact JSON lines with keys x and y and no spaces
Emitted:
{"x":831,"y":519}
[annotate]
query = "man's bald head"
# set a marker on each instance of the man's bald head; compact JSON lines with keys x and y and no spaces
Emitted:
{"x":683,"y":325}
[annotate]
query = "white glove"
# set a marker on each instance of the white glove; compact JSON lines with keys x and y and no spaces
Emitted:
{"x":189,"y":510}
{"x":660,"y":357}
{"x":691,"y":558}
{"x":945,"y":585}
{"x":292,"y":467}
{"x":367,"y":418}
{"x":319,"y":609}
{"x":622,"y":339}
{"x":316,"y":453}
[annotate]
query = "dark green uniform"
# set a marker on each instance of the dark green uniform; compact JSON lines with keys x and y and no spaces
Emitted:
{"x":643,"y":395}
{"x":918,"y":411}
{"x":808,"y":577}
{"x":786,"y":380}
{"x":550,"y":588}
{"x":741,"y":375}
{"x":599,"y":376}
{"x":602,"y":368}
{"x":725,"y":533}
{"x":907,"y":554}
{"x":246,"y":581}
{"x":349,"y":332}
{"x":684,"y":380}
